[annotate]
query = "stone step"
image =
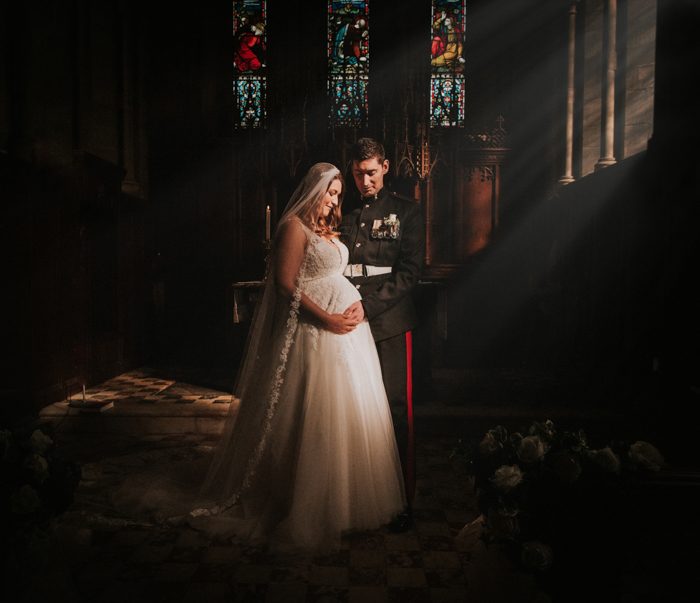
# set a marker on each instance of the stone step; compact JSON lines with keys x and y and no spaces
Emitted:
{"x":142,"y":402}
{"x":141,"y":417}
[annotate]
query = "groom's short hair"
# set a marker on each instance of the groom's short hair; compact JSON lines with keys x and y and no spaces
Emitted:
{"x":367,"y":148}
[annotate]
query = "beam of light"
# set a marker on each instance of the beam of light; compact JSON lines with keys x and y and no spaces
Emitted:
{"x":504,"y":286}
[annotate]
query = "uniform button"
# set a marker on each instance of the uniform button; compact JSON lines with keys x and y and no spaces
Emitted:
{"x":357,"y":286}
{"x":358,"y":244}
{"x":362,"y":225}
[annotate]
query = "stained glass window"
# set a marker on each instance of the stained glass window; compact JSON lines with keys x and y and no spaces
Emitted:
{"x":249,"y":64}
{"x":447,"y":83}
{"x":348,"y":61}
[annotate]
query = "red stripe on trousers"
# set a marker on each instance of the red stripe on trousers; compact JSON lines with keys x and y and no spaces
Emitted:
{"x":411,"y":444}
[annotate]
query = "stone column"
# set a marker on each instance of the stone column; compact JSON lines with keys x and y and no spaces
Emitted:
{"x":568,"y":176}
{"x":608,"y":157}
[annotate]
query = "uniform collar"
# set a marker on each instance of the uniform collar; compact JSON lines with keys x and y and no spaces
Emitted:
{"x":383,"y":192}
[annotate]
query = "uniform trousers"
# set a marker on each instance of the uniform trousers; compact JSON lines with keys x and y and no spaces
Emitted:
{"x":394,"y":356}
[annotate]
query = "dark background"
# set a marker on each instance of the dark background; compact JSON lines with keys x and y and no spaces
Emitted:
{"x":131,"y":203}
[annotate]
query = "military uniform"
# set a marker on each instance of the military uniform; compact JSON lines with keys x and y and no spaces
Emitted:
{"x":386,"y":239}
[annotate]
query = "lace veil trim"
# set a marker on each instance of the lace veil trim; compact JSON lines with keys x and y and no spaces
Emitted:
{"x":290,"y":329}
{"x":263,"y":370}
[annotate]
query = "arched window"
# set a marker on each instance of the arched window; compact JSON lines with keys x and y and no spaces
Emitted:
{"x":249,"y":64}
{"x":447,"y":62}
{"x":348,"y":61}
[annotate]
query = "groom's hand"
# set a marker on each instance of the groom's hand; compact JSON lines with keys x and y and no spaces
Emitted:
{"x":355,"y":311}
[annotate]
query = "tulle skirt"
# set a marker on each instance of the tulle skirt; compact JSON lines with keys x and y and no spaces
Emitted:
{"x":331,"y":463}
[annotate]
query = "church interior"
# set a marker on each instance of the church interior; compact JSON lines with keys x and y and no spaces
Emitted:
{"x":143,"y":171}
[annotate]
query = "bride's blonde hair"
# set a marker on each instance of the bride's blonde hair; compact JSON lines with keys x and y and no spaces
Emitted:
{"x":305,"y":202}
{"x":327,"y":226}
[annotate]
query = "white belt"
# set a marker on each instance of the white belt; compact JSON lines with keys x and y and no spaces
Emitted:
{"x":353,"y":270}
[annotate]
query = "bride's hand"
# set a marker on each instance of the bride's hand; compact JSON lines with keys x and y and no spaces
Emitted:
{"x":355,"y":311}
{"x":340,"y":324}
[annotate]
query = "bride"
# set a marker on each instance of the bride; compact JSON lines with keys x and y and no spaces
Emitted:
{"x":311,"y":451}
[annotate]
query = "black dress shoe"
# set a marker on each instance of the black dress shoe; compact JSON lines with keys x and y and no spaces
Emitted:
{"x":401,"y":523}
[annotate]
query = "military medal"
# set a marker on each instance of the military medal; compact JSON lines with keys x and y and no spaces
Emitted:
{"x":386,"y":228}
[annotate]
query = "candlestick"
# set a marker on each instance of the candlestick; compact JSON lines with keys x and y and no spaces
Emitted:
{"x":267,"y":223}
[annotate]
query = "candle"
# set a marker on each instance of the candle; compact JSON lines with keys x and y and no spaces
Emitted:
{"x":83,"y":393}
{"x":267,"y":223}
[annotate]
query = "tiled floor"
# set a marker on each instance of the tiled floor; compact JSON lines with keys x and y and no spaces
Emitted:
{"x":145,"y":418}
{"x":97,"y":556}
{"x":116,"y":560}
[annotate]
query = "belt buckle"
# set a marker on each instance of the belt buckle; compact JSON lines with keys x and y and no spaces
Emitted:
{"x":356,"y":270}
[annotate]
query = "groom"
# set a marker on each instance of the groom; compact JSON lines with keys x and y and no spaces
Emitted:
{"x":386,"y":239}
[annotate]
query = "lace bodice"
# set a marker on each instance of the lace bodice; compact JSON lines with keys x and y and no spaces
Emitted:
{"x":324,"y":258}
{"x":322,"y":277}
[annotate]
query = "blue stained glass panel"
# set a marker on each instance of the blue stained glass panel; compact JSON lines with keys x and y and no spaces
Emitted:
{"x":349,"y":100}
{"x":447,"y":101}
{"x":348,"y":61}
{"x":249,"y":91}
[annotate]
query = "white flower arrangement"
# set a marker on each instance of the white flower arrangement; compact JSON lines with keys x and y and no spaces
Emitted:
{"x":530,"y":486}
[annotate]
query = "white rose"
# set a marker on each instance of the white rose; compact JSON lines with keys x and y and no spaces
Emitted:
{"x":40,"y":442}
{"x":531,"y":449}
{"x":566,"y":467}
{"x":507,"y":477}
{"x":489,"y":445}
{"x":606,"y":459}
{"x":646,"y":455}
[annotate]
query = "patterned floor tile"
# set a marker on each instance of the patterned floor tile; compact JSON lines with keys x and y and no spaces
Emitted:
{"x":402,"y":542}
{"x":441,"y":560}
{"x":368,"y":594}
{"x":171,"y":571}
{"x":367,"y":558}
{"x":329,"y":575}
{"x":206,"y":592}
{"x":404,"y":559}
{"x":175,"y":564}
{"x":214,"y":572}
{"x":326,"y":594}
{"x":362,"y":540}
{"x":185,"y":555}
{"x":221,"y":554}
{"x":405,"y":577}
{"x":253,"y":574}
{"x":445,"y":577}
{"x":409,"y":595}
{"x":447,"y":595}
{"x":286,"y":592}
{"x":370,"y":576}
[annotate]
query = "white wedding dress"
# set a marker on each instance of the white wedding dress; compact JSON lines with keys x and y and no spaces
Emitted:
{"x":330,"y":461}
{"x":310,"y":451}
